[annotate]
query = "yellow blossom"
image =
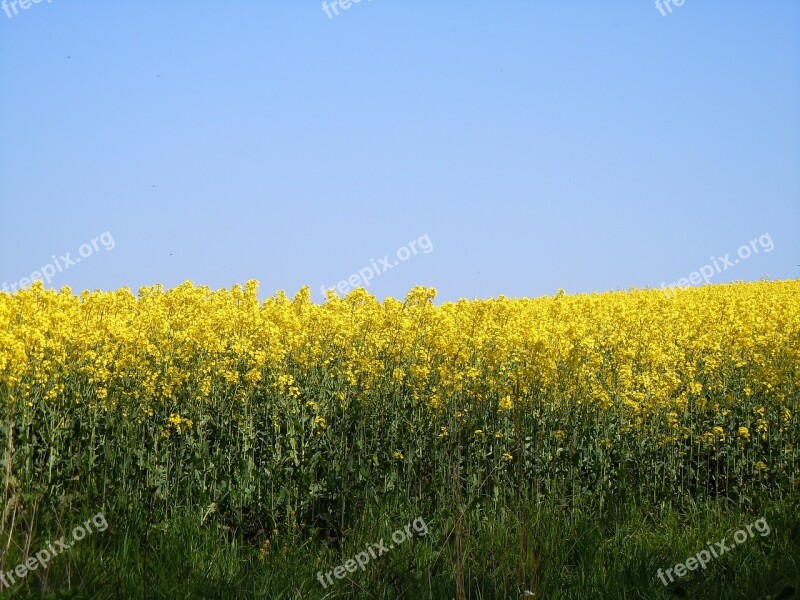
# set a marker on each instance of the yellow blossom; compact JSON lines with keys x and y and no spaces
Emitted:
{"x":506,"y":403}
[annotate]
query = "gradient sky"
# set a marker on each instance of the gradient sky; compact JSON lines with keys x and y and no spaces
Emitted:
{"x":539,"y":145}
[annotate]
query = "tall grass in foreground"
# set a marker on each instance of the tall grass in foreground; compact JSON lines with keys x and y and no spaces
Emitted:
{"x":573,"y":553}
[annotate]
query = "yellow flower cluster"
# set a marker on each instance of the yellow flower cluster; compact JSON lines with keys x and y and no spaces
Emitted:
{"x":176,"y":423}
{"x":639,"y":351}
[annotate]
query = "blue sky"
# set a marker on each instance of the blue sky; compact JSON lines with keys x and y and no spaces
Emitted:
{"x":538,"y":145}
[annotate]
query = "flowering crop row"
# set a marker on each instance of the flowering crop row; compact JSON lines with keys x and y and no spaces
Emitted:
{"x":290,"y":411}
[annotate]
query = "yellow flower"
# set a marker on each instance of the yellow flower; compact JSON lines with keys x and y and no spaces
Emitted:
{"x":479,"y":433}
{"x":398,"y":455}
{"x":743,"y":433}
{"x":178,"y":423}
{"x":507,"y":457}
{"x":506,"y":403}
{"x":264,"y":550}
{"x":443,"y":432}
{"x":320,"y":422}
{"x":672,"y":420}
{"x":761,"y":466}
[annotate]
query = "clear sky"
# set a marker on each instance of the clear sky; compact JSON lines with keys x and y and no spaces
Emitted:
{"x":584,"y":145}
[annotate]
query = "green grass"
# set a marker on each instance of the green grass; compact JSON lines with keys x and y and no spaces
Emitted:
{"x":557,"y":549}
